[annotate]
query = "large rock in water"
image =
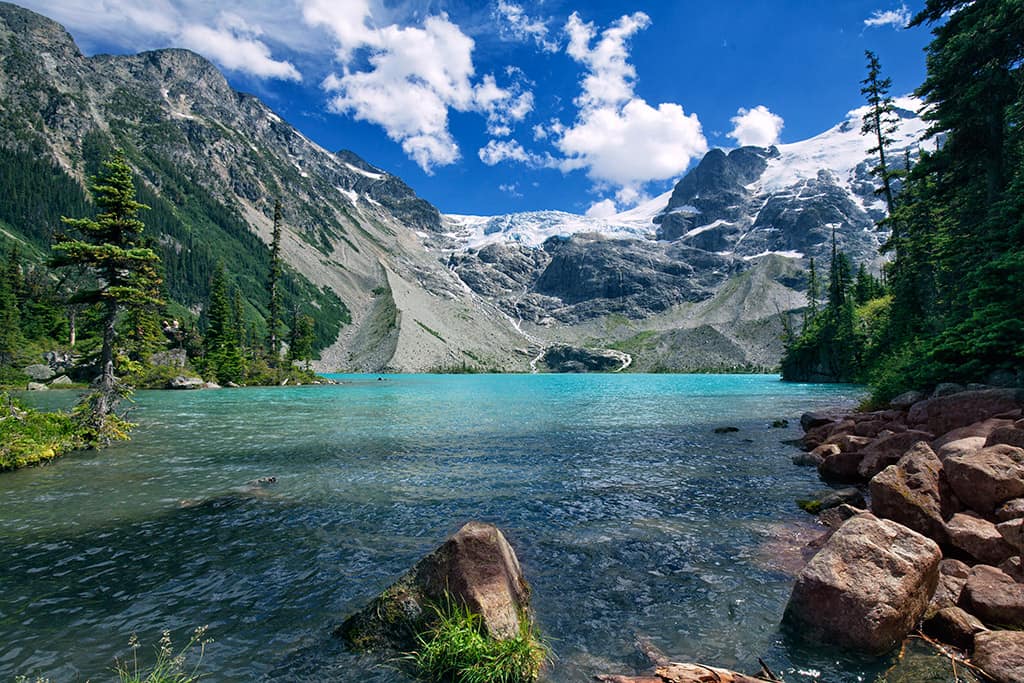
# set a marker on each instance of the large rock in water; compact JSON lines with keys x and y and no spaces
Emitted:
{"x":911,"y":493}
{"x":988,"y":478}
{"x":475,"y":567}
{"x":868,"y":587}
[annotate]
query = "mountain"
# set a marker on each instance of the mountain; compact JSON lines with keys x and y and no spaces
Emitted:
{"x":705,"y":277}
{"x":210,"y":163}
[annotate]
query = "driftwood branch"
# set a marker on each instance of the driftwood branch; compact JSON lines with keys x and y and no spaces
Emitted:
{"x":688,"y":673}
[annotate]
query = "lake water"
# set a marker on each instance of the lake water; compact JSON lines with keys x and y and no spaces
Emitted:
{"x":629,"y":515}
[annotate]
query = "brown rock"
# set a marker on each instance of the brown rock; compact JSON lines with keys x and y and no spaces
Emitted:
{"x":848,"y":443}
{"x":1011,"y":509}
{"x":987,"y":479}
{"x":815,"y":436}
{"x":954,"y":626}
{"x":966,"y":446}
{"x":1011,"y":436}
{"x":1014,"y":568}
{"x":476,"y":566}
{"x":952,"y":578}
{"x":1013,"y":533}
{"x":834,"y":518}
{"x":978,"y":429}
{"x":978,"y":537}
{"x":871,"y":428}
{"x":994,"y":597}
{"x":867,"y":587}
{"x":910,"y":492}
{"x":809,"y":421}
{"x":946,"y":413}
{"x":1000,"y":654}
{"x":841,"y":467}
{"x":887,"y":450}
{"x":907,"y":399}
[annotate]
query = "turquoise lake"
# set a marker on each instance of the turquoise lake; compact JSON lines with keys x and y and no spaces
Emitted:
{"x":629,"y":514}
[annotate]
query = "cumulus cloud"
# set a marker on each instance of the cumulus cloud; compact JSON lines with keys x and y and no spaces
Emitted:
{"x":619,"y":139}
{"x":758,"y":127}
{"x":603,"y":209}
{"x":897,"y":18}
{"x":228,"y":33}
{"x":416,"y":75}
{"x":515,"y":24}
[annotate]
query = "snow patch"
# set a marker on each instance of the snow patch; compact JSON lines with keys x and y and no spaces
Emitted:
{"x":785,"y":254}
{"x":364,"y":172}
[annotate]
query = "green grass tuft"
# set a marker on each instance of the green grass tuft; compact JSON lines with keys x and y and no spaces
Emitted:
{"x":170,"y":666}
{"x":457,"y":649}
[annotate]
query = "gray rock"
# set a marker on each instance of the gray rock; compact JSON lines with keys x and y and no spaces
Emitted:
{"x":182,"y":382}
{"x":1000,"y":654}
{"x":906,"y":399}
{"x":61,"y":381}
{"x":39,"y":372}
{"x":868,"y":587}
{"x":476,"y":567}
{"x":174,"y":358}
{"x":563,"y":358}
{"x":947,"y":389}
{"x":36,"y":386}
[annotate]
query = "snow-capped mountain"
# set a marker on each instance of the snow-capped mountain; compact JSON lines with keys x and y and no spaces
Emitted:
{"x":746,"y":203}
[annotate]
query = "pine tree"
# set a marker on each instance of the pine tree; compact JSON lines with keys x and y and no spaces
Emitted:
{"x":223,"y":355}
{"x":300,"y":344}
{"x":273,"y":288}
{"x":127,"y":275}
{"x":881,"y":122}
{"x":10,"y":322}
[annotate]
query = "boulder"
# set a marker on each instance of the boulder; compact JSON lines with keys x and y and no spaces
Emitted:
{"x":816,"y":456}
{"x":36,"y":386}
{"x":61,"y":381}
{"x":1011,"y":509}
{"x":978,"y":537}
{"x":1014,"y":568}
{"x":1013,"y":533}
{"x":841,"y":467}
{"x":905,"y":400}
{"x":182,"y":382}
{"x":211,"y":385}
{"x":174,"y":358}
{"x":967,"y":446}
{"x":978,"y":429}
{"x":985,"y":480}
{"x":871,"y":428}
{"x":952,"y":578}
{"x":809,"y":421}
{"x":848,"y":443}
{"x":946,"y":413}
{"x":994,"y":597}
{"x":476,"y":567}
{"x":1000,"y":654}
{"x":1010,"y":435}
{"x":887,"y":450}
{"x":815,"y":436}
{"x":911,"y":492}
{"x":39,"y":372}
{"x":834,"y":518}
{"x":868,"y":587}
{"x":947,"y":389}
{"x":954,"y":626}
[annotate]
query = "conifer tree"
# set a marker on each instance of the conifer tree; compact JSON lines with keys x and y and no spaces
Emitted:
{"x":300,"y":344}
{"x":273,"y":288}
{"x":10,"y":322}
{"x":881,"y":122}
{"x":127,"y":275}
{"x":223,"y":351}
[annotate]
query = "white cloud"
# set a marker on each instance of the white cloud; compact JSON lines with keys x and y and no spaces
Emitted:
{"x":758,"y":127}
{"x":237,"y":52}
{"x":618,"y":138}
{"x":602,"y":209}
{"x":496,"y":151}
{"x":516,"y":24}
{"x":228,"y":33}
{"x":511,"y":189}
{"x":897,"y":18}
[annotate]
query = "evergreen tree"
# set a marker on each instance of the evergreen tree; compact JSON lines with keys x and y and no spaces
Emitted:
{"x":10,"y":322}
{"x":223,"y":355}
{"x":273,"y":288}
{"x":127,"y":275}
{"x":812,"y":291}
{"x":881,"y":122}
{"x":300,"y":343}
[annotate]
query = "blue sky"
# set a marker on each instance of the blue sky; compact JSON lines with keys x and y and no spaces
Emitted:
{"x":492,"y":106}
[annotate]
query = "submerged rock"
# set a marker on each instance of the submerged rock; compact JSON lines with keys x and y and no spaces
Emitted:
{"x":867,"y":588}
{"x":476,"y":567}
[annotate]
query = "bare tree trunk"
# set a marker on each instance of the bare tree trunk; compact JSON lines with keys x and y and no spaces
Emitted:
{"x":72,"y":320}
{"x":107,"y":387}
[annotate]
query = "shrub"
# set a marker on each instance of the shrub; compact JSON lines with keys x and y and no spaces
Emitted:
{"x":457,"y":648}
{"x":170,"y":666}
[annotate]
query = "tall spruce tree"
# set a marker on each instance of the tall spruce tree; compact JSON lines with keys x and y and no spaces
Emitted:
{"x":274,"y":289}
{"x":300,"y":343}
{"x":127,"y":276}
{"x":881,"y":122}
{"x":223,"y":353}
{"x":10,"y":320}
